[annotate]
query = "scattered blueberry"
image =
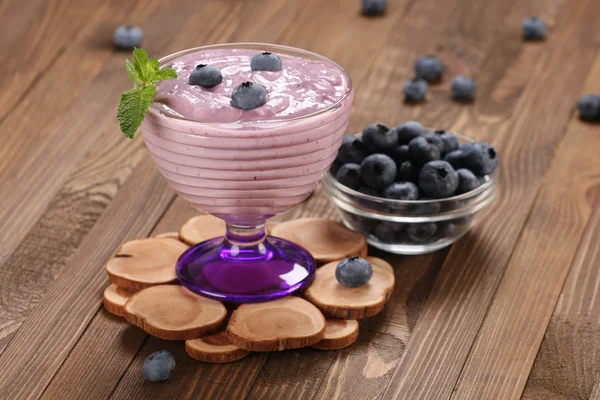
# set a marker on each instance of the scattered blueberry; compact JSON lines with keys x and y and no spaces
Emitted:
{"x":207,"y":76}
{"x":353,"y":272}
{"x":589,"y":107}
{"x":463,"y":88}
{"x":368,"y":191}
{"x":159,"y":366}
{"x":422,"y":232}
{"x":409,"y":172}
{"x":387,"y":231}
{"x":353,"y":150}
{"x":438,"y":179}
{"x":449,"y":140}
{"x":266,"y":61}
{"x":424,"y":149}
{"x":415,"y":90}
{"x":402,"y":191}
{"x":128,"y":36}
{"x":379,"y":138}
{"x":534,"y":28}
{"x":248,"y":96}
{"x":399,"y":154}
{"x":408,"y":131}
{"x":481,"y":158}
{"x":467,"y":181}
{"x":456,"y":158}
{"x":430,"y":68}
{"x":374,"y":7}
{"x":378,"y":171}
{"x":349,"y":176}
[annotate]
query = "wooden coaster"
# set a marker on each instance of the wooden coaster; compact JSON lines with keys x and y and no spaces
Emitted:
{"x":201,"y":228}
{"x":214,"y":349}
{"x":172,"y":312}
{"x":168,"y":235}
{"x":339,"y":333}
{"x":114,"y":299}
{"x":287,"y":323}
{"x":146,"y":262}
{"x":338,"y":301}
{"x":325,"y":239}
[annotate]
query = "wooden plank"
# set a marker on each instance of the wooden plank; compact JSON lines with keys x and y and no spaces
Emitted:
{"x":596,"y":392}
{"x":447,"y":327}
{"x":74,"y":209}
{"x":14,"y":20}
{"x":508,"y":341}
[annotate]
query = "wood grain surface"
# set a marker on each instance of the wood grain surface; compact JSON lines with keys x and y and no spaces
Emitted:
{"x":510,"y":311}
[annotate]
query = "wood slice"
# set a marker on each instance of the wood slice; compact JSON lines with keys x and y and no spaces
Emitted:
{"x":325,"y":239}
{"x":338,"y":301}
{"x":168,"y":235}
{"x":114,"y":299}
{"x":142,"y":263}
{"x":201,"y":228}
{"x":339,"y":333}
{"x":214,"y":349}
{"x":172,"y":312}
{"x":286,"y":323}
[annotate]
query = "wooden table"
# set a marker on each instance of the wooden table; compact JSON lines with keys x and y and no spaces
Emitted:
{"x":510,"y":311}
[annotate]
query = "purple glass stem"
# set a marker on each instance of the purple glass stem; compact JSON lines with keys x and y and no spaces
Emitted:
{"x":246,"y":266}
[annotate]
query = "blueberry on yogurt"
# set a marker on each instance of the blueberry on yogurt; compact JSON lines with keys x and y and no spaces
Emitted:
{"x":207,"y":76}
{"x":248,"y":96}
{"x":266,"y":61}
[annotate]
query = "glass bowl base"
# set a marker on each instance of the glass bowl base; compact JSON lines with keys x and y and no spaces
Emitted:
{"x":266,"y":270}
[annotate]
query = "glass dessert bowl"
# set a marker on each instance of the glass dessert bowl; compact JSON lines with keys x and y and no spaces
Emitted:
{"x":247,"y":166}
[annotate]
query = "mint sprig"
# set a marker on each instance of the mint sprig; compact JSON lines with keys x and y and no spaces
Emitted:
{"x":134,"y":104}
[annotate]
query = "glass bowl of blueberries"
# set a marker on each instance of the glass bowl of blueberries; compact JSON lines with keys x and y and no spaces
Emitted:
{"x":409,"y":189}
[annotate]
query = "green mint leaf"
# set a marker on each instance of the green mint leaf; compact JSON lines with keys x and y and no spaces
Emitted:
{"x":132,"y":72}
{"x":165,"y":75}
{"x":155,"y":64}
{"x":133,"y":108}
{"x":143,"y":65}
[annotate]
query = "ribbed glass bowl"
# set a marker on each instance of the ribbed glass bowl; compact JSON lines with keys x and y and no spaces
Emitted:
{"x":410,"y":227}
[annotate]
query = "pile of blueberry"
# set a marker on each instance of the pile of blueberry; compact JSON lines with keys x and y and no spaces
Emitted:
{"x":408,"y":162}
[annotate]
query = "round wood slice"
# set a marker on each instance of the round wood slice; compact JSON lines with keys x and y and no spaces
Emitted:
{"x":339,"y":333}
{"x":214,"y":349}
{"x":114,"y":299}
{"x":172,"y":312}
{"x":146,"y":262}
{"x":201,"y":228}
{"x":338,"y":301}
{"x":168,"y":235}
{"x":325,"y":239}
{"x":287,"y":323}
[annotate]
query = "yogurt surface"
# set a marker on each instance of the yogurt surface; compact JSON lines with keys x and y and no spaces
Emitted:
{"x":301,"y":88}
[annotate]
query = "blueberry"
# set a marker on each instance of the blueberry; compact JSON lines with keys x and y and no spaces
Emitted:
{"x":415,"y":90}
{"x":589,"y":107}
{"x":422,"y":232}
{"x":446,"y":230}
{"x":402,"y":191}
{"x":408,"y":172}
{"x":379,"y":138}
{"x":159,"y":366}
{"x":424,"y":149}
{"x":353,"y":150}
{"x":207,"y":76}
{"x":463,"y":88}
{"x":467,"y":181}
{"x":456,"y":158}
{"x":436,"y":140}
{"x":248,"y":96}
{"x":378,"y":171}
{"x":266,"y":61}
{"x":429,"y":207}
{"x":388,"y":232}
{"x":374,"y":7}
{"x":481,"y":159}
{"x":438,"y":179}
{"x":534,"y":28}
{"x":449,"y":140}
{"x":399,"y":154}
{"x":368,"y":191}
{"x":353,"y":272}
{"x":126,"y":37}
{"x":349,"y":176}
{"x":408,"y":131}
{"x":335,"y":167}
{"x":430,"y":68}
{"x":465,"y":146}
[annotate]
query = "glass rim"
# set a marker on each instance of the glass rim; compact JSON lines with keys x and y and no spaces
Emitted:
{"x":162,"y":61}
